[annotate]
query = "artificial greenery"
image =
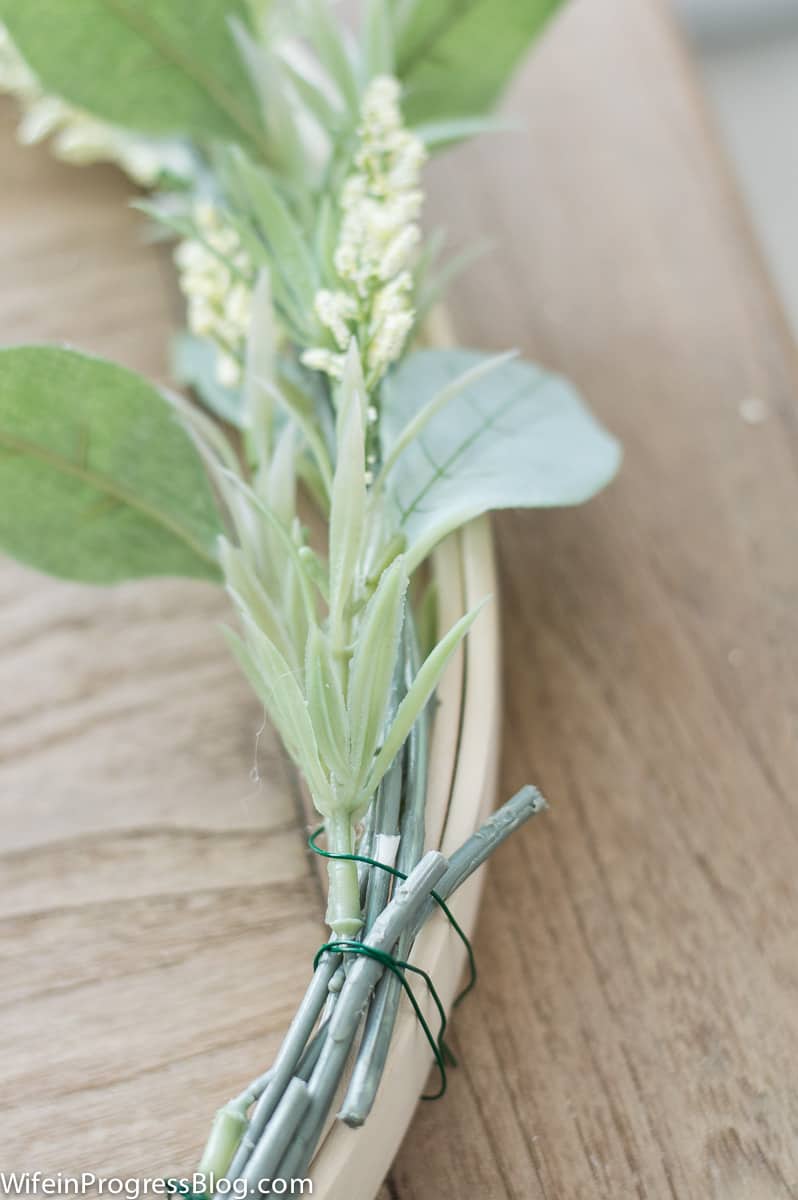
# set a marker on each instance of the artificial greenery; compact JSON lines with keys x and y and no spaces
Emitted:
{"x":289,"y":152}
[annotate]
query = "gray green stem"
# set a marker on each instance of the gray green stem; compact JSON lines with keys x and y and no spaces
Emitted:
{"x":381,"y":1018}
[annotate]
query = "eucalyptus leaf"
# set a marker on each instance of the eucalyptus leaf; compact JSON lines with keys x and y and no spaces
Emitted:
{"x":516,"y":438}
{"x":98,"y":480}
{"x":456,"y":56}
{"x":157,"y":66}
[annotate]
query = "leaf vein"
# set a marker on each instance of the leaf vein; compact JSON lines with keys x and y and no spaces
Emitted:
{"x":106,"y":486}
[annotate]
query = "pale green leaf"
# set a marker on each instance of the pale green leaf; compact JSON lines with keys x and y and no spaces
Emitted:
{"x":418,"y":694}
{"x":331,"y":41}
{"x":326,"y":704}
{"x":438,"y":135}
{"x":288,"y":153}
{"x":291,"y":400}
{"x":456,"y":56}
{"x":323,"y":103}
{"x":373,"y":663}
{"x":520,"y":438}
{"x":347,"y":510}
{"x":281,"y":478}
{"x":249,"y":595}
{"x":289,"y":255}
{"x":276,"y":685}
{"x":378,"y":37}
{"x":258,"y":514}
{"x":261,"y":357}
{"x":157,"y":66}
{"x":326,"y":238}
{"x":98,"y":480}
{"x":417,"y":423}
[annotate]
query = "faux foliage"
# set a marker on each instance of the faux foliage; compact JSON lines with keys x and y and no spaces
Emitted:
{"x":297,"y":198}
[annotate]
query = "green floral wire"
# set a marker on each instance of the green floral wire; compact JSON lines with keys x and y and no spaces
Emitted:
{"x":397,"y":874}
{"x":438,"y":1046}
{"x":440,"y":1049}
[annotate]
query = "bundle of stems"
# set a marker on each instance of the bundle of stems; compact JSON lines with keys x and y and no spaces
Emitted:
{"x":292,"y":1102}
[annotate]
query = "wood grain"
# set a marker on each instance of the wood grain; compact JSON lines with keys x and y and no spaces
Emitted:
{"x":635,"y":1033}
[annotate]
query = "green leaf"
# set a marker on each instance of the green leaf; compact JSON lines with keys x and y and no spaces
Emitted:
{"x":438,"y":135}
{"x":326,"y":704}
{"x":332,"y":43}
{"x":287,"y":152}
{"x":285,"y":704}
{"x":250,"y":596}
{"x":291,"y":260}
{"x":157,"y":66}
{"x":348,"y":507}
{"x":441,"y":399}
{"x":456,"y":56}
{"x":418,"y":694}
{"x":98,"y":481}
{"x":378,"y":38}
{"x":291,"y":400}
{"x":517,"y":438}
{"x":261,"y":361}
{"x":374,"y":662}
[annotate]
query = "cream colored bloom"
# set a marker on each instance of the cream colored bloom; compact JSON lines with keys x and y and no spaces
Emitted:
{"x":380,"y":205}
{"x":217,"y":278}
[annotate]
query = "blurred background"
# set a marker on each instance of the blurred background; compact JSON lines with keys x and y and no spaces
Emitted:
{"x":748,"y":52}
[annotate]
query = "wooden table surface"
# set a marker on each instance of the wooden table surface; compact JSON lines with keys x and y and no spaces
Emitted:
{"x":635,"y":1032}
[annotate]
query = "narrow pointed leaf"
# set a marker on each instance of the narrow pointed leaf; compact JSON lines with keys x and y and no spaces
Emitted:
{"x":261,"y":357}
{"x":289,"y":398}
{"x":326,"y":704}
{"x":330,"y":40}
{"x":281,"y":487}
{"x":285,"y":242}
{"x":287,"y":708}
{"x":374,"y":662}
{"x":347,"y":511}
{"x":251,"y":596}
{"x":438,"y":135}
{"x":417,"y":696}
{"x":378,"y":37}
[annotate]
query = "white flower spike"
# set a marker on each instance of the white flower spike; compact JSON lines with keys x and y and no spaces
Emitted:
{"x":217,"y":277}
{"x":380,"y":205}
